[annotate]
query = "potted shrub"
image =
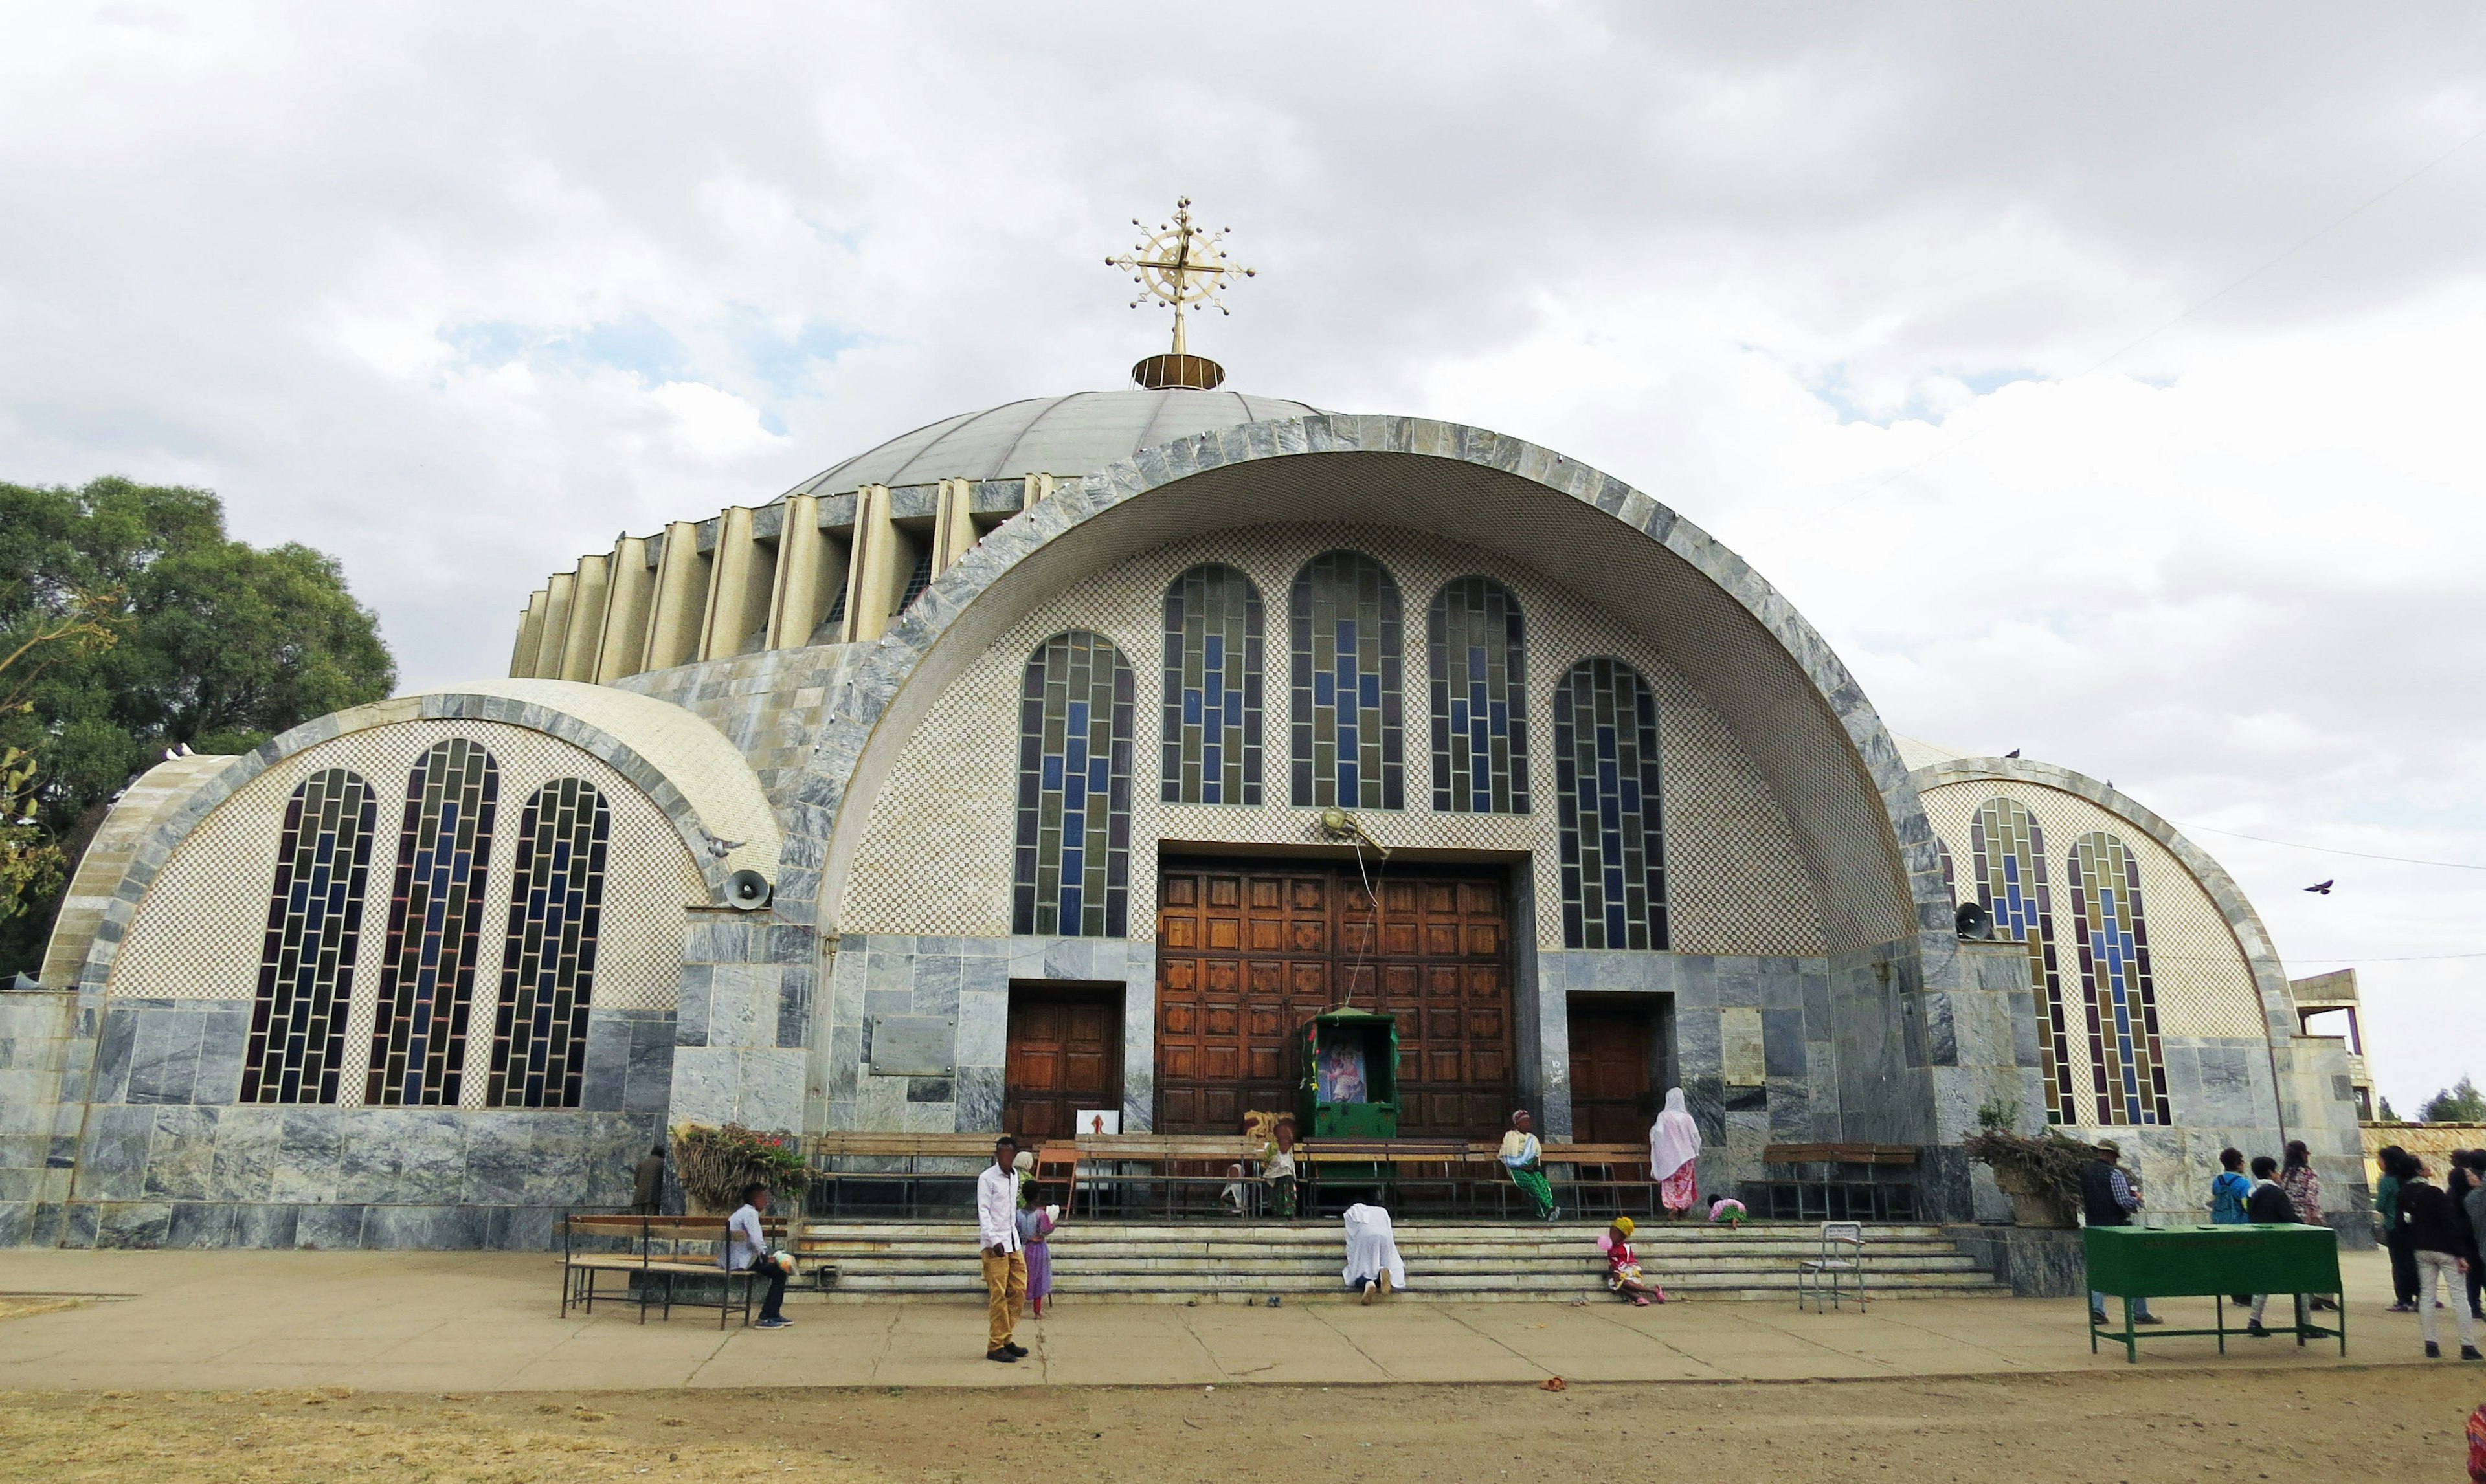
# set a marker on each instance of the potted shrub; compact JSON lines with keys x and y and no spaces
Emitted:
{"x":2042,"y":1175}
{"x":715,"y":1164}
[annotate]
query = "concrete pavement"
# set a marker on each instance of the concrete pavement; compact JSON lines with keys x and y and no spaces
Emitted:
{"x":490,"y":1321}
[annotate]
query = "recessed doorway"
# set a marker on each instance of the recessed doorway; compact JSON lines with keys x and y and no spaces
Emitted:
{"x":1064,"y":1054}
{"x":1613,"y":1068}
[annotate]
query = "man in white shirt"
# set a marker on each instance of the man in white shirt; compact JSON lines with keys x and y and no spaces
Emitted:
{"x":746,"y":1243}
{"x":1005,"y":1260}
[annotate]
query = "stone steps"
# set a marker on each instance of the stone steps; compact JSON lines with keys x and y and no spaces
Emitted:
{"x":1465,"y":1262}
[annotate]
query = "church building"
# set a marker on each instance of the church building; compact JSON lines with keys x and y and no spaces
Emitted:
{"x":1070,"y":754}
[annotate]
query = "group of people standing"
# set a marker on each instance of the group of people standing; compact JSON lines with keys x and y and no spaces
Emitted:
{"x":2436,"y":1235}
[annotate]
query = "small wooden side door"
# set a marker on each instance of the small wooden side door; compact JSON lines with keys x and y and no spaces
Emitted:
{"x":1064,"y":1054}
{"x":1611,"y":1097}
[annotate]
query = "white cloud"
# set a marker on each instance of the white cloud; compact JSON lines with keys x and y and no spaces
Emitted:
{"x":458,"y":291}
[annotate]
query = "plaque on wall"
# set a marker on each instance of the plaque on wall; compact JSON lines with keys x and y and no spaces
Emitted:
{"x":913,"y":1045}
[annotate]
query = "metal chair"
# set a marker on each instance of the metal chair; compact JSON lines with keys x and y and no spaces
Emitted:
{"x":1838,"y":1272}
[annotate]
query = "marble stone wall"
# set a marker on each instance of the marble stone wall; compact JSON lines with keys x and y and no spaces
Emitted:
{"x":1798,"y":1099}
{"x":40,"y":1041}
{"x":165,"y":1157}
{"x":745,"y":1022}
{"x":966,"y":981}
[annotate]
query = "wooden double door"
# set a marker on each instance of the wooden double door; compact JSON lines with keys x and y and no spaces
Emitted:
{"x":1247,"y":950}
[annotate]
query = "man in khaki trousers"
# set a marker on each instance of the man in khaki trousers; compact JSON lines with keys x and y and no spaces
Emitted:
{"x":1005,"y":1260}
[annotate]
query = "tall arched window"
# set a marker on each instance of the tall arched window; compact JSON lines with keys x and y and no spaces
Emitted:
{"x":1212,"y":688}
{"x":2010,"y":851}
{"x":2124,"y":1058}
{"x":314,"y":923}
{"x":435,"y":918}
{"x":1073,"y":860}
{"x":1606,"y":789}
{"x":1476,"y":646}
{"x":548,"y":962}
{"x":1346,"y":749}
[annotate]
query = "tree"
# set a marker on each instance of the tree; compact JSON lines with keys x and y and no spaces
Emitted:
{"x":2459,"y":1103}
{"x":219,"y":646}
{"x":33,"y":867}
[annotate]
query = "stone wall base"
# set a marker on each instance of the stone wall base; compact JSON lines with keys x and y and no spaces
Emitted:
{"x":2038,"y":1263}
{"x":322,"y":1227}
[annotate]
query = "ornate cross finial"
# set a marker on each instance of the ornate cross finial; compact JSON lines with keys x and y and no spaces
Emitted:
{"x":1183,"y":265}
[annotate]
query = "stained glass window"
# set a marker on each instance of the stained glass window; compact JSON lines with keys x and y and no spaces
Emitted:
{"x":1212,"y":688}
{"x":435,"y":918}
{"x":1476,"y":645}
{"x":917,"y":577}
{"x":2010,"y":851}
{"x":1073,"y":866}
{"x":1606,"y":782}
{"x":2124,"y":1059}
{"x":548,"y":964}
{"x":315,"y":920}
{"x":1346,"y":748}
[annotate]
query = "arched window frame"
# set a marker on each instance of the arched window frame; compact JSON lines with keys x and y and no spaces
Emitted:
{"x":1611,"y":798}
{"x":2009,"y":847}
{"x":1476,"y":653}
{"x":2127,"y":1065}
{"x":548,"y":955}
{"x":1213,"y":675}
{"x":1072,"y":861}
{"x":435,"y":923}
{"x":314,"y":918}
{"x":1347,"y":747}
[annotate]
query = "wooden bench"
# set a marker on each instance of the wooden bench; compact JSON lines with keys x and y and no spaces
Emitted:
{"x":1829,"y":1197}
{"x":831,"y":1158}
{"x":649,"y":1247}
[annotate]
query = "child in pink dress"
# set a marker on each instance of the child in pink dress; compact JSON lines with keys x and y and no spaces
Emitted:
{"x":1035,"y":1225}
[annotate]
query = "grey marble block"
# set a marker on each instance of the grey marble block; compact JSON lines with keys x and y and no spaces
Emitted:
{"x":182,"y":1154}
{"x":310,"y":1149}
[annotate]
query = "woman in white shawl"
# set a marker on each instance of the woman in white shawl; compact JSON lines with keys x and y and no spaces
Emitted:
{"x":1673,"y":1143}
{"x":1372,"y":1261}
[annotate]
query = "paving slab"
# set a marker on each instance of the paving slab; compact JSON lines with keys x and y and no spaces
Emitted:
{"x":491,"y":1321}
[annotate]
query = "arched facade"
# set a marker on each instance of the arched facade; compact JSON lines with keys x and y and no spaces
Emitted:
{"x":2178,"y":1035}
{"x":1639,"y":803}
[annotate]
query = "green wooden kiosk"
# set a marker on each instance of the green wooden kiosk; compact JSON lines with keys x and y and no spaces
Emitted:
{"x":1350,"y":1075}
{"x":2176,"y":1262}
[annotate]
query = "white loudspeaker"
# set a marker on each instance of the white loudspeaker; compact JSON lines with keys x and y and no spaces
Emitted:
{"x":747,"y":890}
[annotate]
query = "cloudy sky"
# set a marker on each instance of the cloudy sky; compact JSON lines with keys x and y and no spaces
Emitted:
{"x":2103,"y":381}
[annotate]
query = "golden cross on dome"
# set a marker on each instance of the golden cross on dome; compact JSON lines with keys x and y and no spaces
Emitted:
{"x":1185,"y":266}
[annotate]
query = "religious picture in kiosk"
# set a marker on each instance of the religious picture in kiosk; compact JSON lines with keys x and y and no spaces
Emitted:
{"x":1341,"y":1073}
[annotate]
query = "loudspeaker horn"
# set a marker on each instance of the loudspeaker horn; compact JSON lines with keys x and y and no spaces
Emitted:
{"x":1976,"y":923}
{"x":747,"y":890}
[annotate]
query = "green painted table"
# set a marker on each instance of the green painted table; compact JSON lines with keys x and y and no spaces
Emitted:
{"x":2171,"y":1262}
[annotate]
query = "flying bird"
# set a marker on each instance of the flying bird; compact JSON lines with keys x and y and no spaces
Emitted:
{"x":721,"y":849}
{"x":2322,"y":888}
{"x":2014,"y":753}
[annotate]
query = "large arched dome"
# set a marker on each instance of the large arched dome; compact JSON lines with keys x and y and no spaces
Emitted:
{"x":1069,"y":436}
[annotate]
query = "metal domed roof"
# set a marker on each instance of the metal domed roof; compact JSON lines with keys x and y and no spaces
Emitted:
{"x":1066,"y":436}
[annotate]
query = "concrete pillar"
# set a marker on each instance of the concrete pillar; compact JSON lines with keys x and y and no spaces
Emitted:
{"x":522,"y":656}
{"x":953,"y":524}
{"x":628,"y":587}
{"x":586,"y":618}
{"x":810,"y":572}
{"x":1039,"y":486}
{"x":681,"y":599}
{"x":744,"y":577}
{"x":876,"y":570}
{"x":562,"y":591}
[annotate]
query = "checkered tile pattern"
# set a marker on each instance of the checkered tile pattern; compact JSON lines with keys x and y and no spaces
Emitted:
{"x":935,"y":858}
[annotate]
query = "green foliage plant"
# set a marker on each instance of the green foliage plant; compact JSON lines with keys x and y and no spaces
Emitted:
{"x":715,"y":1164}
{"x":2459,"y":1103}
{"x":215,"y":645}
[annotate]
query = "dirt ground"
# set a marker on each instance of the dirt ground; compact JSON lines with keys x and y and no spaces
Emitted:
{"x":2402,"y":1423}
